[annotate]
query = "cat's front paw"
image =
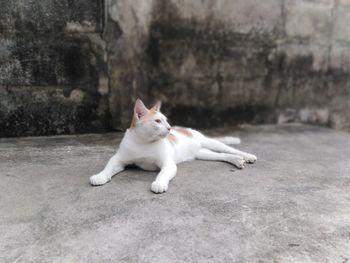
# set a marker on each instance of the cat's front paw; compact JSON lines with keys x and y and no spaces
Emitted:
{"x":99,"y":179}
{"x":159,"y":186}
{"x":250,"y":158}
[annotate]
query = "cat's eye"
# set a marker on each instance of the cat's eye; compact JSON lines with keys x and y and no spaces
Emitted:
{"x":157,"y":120}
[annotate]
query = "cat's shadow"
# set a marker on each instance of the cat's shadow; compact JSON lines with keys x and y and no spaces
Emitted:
{"x":134,"y":173}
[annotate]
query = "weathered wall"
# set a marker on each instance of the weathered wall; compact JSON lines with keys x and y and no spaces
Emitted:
{"x":52,"y":67}
{"x":127,"y":36}
{"x":233,"y":61}
{"x":72,"y":66}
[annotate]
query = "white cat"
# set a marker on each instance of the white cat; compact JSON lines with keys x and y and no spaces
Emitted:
{"x":151,"y":144}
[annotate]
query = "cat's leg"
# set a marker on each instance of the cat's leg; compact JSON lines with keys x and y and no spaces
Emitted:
{"x":113,"y":167}
{"x":229,"y":140}
{"x":208,"y":155}
{"x":167,"y":172}
{"x":217,"y":146}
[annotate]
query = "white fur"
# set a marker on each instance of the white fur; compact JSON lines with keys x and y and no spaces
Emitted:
{"x":147,"y":147}
{"x":229,"y":140}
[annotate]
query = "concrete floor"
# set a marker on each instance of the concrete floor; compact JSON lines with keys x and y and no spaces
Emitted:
{"x":293,"y":205}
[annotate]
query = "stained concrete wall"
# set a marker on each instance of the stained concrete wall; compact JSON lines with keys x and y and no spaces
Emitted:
{"x":53,"y":70}
{"x":234,"y":61}
{"x":217,"y":62}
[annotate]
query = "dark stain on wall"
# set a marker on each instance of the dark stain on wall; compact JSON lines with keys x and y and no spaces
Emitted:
{"x":209,"y":74}
{"x":52,"y":62}
{"x":62,"y":70}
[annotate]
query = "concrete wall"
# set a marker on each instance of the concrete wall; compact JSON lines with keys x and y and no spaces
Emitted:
{"x":232,"y":61}
{"x":217,"y":62}
{"x":53,"y":70}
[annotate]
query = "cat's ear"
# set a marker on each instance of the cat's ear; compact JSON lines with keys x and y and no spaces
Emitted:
{"x":140,"y":109}
{"x":157,"y":106}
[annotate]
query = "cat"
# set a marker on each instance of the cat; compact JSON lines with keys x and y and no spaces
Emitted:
{"x":152,"y":144}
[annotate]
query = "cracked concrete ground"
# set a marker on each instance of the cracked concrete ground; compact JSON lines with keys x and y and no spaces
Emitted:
{"x":291,"y":206}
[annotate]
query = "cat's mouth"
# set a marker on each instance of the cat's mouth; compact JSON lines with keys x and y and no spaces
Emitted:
{"x":164,"y":134}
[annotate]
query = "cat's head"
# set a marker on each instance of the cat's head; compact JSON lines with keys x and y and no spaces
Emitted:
{"x":149,"y":124}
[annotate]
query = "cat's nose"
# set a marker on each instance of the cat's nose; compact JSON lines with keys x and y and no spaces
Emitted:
{"x":169,"y":128}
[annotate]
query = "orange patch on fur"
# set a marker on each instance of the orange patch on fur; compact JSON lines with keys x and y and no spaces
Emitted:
{"x":148,"y":116}
{"x":133,"y":121}
{"x":184,"y":131}
{"x":171,"y":138}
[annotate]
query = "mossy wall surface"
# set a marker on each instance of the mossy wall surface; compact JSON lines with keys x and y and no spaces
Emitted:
{"x":74,"y":66}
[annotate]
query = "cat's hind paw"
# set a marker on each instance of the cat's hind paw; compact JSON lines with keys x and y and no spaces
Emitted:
{"x":99,"y":179}
{"x":237,"y":161}
{"x":239,"y":164}
{"x":250,"y":158}
{"x":159,"y":187}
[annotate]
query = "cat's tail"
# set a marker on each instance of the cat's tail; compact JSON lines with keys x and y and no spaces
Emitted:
{"x":229,"y":140}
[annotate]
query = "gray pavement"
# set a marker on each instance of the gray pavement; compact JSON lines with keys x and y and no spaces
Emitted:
{"x":293,"y":205}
